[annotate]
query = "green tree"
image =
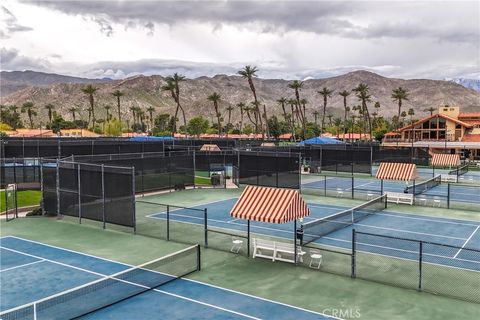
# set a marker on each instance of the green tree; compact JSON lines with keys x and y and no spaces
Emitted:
{"x":173,"y":86}
{"x":28,"y":108}
{"x":344,"y":94}
{"x":49,"y":107}
{"x":315,"y":116}
{"x":118,"y":94}
{"x":150,"y":111}
{"x":113,"y":128}
{"x":90,"y":91}
{"x":107,"y":110}
{"x":325,"y":93}
{"x":249,"y":72}
{"x":363,"y":95}
{"x":215,"y":98}
{"x":10,"y":116}
{"x":297,"y":86}
{"x":73,"y":111}
{"x":276,"y":127}
{"x":241,"y":106}
{"x":282,"y":101}
{"x":431,"y":110}
{"x":399,"y":94}
{"x":197,"y":125}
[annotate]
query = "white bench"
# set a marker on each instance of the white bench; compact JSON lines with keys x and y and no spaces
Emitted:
{"x":400,"y":198}
{"x":449,"y":178}
{"x":280,"y":251}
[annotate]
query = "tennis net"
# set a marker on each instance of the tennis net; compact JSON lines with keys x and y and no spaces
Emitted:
{"x":460,"y":170}
{"x":316,"y":229}
{"x":424,"y":186}
{"x":109,"y":290}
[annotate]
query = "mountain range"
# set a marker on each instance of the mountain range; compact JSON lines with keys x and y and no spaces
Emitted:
{"x":64,"y":92}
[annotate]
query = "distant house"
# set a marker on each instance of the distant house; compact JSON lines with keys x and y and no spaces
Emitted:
{"x":31,"y":133}
{"x":448,"y":131}
{"x":353,"y":137}
{"x":78,"y":133}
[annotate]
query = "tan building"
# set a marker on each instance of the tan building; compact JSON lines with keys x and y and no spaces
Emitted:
{"x":448,"y":131}
{"x":78,"y":133}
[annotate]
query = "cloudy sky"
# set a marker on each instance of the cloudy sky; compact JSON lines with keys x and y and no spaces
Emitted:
{"x":285,"y":39}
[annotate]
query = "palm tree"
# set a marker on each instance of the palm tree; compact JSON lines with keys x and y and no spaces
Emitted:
{"x":117,"y":94}
{"x":134,"y":115}
{"x":90,"y":91}
{"x":150,"y":111}
{"x":297,"y":86}
{"x":28,"y":107}
{"x":362,"y":93}
{"x":247,"y":110}
{"x":400,"y":94}
{"x":176,"y":79}
{"x":282,"y":101}
{"x":326,"y":93}
{"x":107,"y":109}
{"x":330,"y":116}
{"x":242,"y":107}
{"x":229,"y":110}
{"x":344,"y":94}
{"x":304,"y":102}
{"x":73,"y":111}
{"x":49,"y":107}
{"x":403,"y":115}
{"x":338,"y":122}
{"x":431,"y":110}
{"x":315,"y":116}
{"x":215,"y":98}
{"x":249,"y":72}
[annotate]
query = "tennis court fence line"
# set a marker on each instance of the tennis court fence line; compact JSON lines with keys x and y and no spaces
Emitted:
{"x":440,"y":269}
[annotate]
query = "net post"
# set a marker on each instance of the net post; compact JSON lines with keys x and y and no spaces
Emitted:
{"x":205,"y":226}
{"x":325,"y":189}
{"x":353,"y":187}
{"x":420,"y":255}
{"x":199,"y":259}
{"x":79,"y":196}
{"x":381,"y":186}
{"x":34,"y":311}
{"x":448,"y":195}
{"x":194,"y":168}
{"x":103,"y":196}
{"x":168,"y":222}
{"x":354,"y":271}
{"x":134,"y":211}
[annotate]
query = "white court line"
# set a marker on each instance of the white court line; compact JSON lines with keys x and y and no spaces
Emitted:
{"x":22,"y":265}
{"x":185,"y":279}
{"x":466,"y":241}
{"x":414,"y":232}
{"x":206,"y":304}
{"x":361,"y":185}
{"x":53,"y":261}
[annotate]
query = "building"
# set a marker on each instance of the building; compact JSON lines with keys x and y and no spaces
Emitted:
{"x":78,"y":133}
{"x":448,"y":131}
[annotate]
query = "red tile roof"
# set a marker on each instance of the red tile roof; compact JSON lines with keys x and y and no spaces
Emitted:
{"x":471,"y":138}
{"x":463,"y":123}
{"x":392,"y":134}
{"x":469,"y":115}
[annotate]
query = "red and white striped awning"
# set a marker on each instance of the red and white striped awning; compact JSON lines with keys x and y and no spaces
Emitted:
{"x":272,"y":205}
{"x":445,"y":160}
{"x":397,"y":171}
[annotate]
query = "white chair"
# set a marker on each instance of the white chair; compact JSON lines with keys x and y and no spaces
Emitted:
{"x":436,"y":202}
{"x":422,"y":201}
{"x":315,"y":259}
{"x":236,"y":245}
{"x":339,"y":192}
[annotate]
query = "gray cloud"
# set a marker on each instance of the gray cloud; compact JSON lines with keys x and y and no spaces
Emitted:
{"x":320,"y":17}
{"x":13,"y":60}
{"x":10,"y":25}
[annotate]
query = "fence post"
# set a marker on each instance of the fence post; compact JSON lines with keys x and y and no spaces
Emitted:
{"x":199,"y":260}
{"x":353,"y":187}
{"x":325,"y":189}
{"x":58,"y":187}
{"x":168,"y":222}
{"x":41,"y":186}
{"x":248,"y":238}
{"x":420,"y":254}
{"x":103,"y":196}
{"x":354,"y":269}
{"x":205,"y":226}
{"x":448,"y":195}
{"x":79,"y":195}
{"x":295,"y":241}
{"x":134,"y":212}
{"x":381,"y":186}
{"x":194,"y":169}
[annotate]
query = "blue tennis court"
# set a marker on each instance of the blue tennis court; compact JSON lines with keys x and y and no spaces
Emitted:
{"x":31,"y":271}
{"x":459,"y":233}
{"x":458,"y":193}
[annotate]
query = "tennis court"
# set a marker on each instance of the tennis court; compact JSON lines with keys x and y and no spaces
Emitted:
{"x":458,"y":233}
{"x":458,"y":193}
{"x":31,"y":271}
